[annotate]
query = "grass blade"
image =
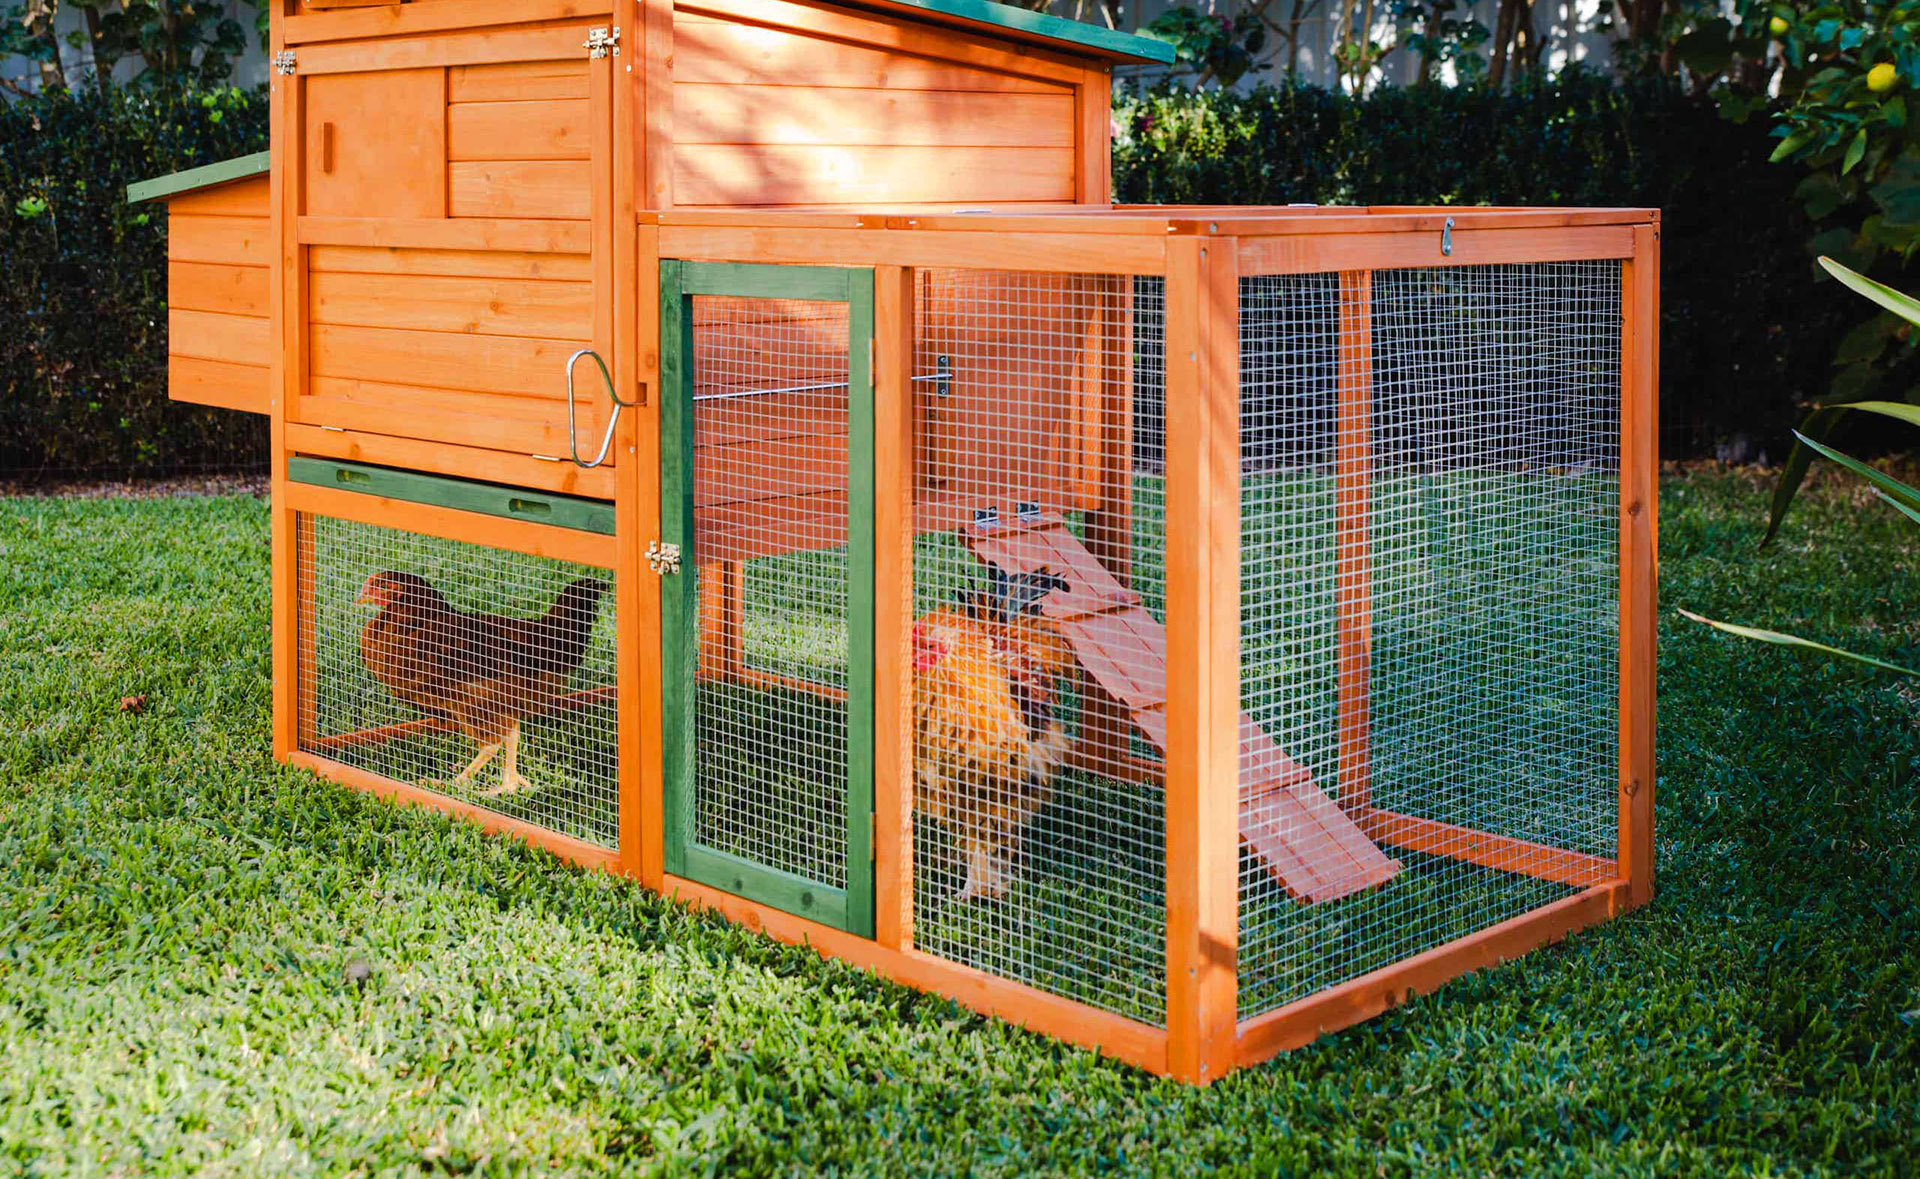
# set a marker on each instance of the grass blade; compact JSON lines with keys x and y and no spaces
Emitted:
{"x":1779,"y":639}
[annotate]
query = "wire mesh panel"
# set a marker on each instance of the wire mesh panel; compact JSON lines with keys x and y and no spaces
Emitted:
{"x":1429,"y":548}
{"x":770,"y":753}
{"x":484,"y":674}
{"x":1039,"y":654}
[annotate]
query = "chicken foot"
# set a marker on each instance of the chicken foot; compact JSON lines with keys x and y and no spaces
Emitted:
{"x":465,"y":777}
{"x":512,"y":781}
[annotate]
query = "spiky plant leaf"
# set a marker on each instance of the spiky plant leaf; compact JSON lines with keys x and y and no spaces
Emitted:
{"x":1780,"y":639}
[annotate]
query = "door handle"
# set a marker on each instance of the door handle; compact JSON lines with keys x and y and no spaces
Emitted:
{"x":613,"y":420}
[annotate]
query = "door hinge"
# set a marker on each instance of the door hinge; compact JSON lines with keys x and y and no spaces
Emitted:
{"x":663,"y":558}
{"x":602,"y":41}
{"x":283,"y":62}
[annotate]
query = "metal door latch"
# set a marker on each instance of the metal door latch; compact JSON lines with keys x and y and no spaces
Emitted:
{"x":1446,"y":239}
{"x":602,"y":41}
{"x":284,"y":62}
{"x":663,"y":558}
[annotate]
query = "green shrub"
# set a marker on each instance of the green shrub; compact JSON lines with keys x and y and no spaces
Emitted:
{"x":1748,"y":333}
{"x":83,"y":274}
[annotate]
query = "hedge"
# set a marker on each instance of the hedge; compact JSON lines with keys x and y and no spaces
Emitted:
{"x":1748,"y":332}
{"x":83,"y":276}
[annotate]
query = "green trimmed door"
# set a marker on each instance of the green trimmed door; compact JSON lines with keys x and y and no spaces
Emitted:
{"x":767,"y":487}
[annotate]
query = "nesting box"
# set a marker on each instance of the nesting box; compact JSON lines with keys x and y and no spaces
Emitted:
{"x":741,"y":447}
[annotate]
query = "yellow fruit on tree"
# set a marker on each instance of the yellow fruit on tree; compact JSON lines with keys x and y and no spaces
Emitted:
{"x":1777,"y":26}
{"x":1881,"y":78}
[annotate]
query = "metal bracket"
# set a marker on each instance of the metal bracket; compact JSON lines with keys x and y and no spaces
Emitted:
{"x":663,"y":558}
{"x":942,"y":376}
{"x":1446,"y":238}
{"x":602,"y":41}
{"x":613,"y":420}
{"x":283,"y":62}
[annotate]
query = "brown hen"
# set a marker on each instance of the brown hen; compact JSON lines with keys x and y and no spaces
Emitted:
{"x":483,"y":673}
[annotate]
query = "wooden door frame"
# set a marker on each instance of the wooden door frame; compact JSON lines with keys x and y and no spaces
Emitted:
{"x":851,"y":909}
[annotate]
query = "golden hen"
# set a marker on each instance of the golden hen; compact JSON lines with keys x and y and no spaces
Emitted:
{"x":987,"y":736}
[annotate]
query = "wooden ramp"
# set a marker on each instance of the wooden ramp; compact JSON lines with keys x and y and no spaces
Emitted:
{"x":1309,"y":844}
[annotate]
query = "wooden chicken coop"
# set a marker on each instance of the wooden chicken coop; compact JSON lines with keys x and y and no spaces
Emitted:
{"x":737,"y":444}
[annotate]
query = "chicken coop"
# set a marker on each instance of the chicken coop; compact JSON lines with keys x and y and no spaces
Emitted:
{"x":739,"y":445}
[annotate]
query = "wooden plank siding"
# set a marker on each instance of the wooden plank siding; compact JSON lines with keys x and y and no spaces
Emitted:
{"x":520,"y":140}
{"x":218,"y":340}
{"x":798,"y":111}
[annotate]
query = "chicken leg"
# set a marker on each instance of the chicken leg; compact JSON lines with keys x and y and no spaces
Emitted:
{"x":465,"y":777}
{"x":511,"y":780}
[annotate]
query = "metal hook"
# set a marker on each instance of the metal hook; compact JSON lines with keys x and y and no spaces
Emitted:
{"x":606,"y":443}
{"x":1446,"y":238}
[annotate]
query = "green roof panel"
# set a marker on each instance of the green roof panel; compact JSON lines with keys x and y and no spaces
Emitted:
{"x":1075,"y":33}
{"x":205,"y":176}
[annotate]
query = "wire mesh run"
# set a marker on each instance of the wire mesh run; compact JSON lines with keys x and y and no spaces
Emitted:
{"x":1429,"y":610}
{"x":1039,"y":653}
{"x":483,"y":674}
{"x":771,"y":417}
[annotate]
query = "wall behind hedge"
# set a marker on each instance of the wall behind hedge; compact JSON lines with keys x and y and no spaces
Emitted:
{"x":1747,"y":334}
{"x":83,"y":275}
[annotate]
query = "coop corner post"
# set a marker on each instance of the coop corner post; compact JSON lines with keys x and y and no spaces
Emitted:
{"x":1639,"y":554}
{"x":893,"y":605}
{"x":1203,"y":647}
{"x":286,"y":306}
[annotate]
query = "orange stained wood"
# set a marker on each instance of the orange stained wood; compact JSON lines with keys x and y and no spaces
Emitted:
{"x":617,"y":262}
{"x":779,"y":103}
{"x":1301,"y":1023}
{"x":1203,"y":618}
{"x":219,"y":338}
{"x":309,"y":22}
{"x":979,"y":248}
{"x":227,"y":240}
{"x":1284,"y":819}
{"x":286,"y":316}
{"x":575,"y":851}
{"x":1375,"y":248}
{"x":723,"y":607}
{"x":639,"y":525}
{"x":1124,"y":1039}
{"x":1353,"y":640}
{"x":490,"y":466}
{"x":1022,"y":419}
{"x":893,"y":530}
{"x":478,"y":306}
{"x":218,"y":383}
{"x":1639,"y":556}
{"x":384,"y":135}
{"x":1470,"y":846}
{"x":217,"y":287}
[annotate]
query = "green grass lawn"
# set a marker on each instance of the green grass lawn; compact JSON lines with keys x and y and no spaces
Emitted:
{"x":182,"y":922}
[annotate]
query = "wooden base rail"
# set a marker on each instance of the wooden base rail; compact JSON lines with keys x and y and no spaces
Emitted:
{"x":433,"y":725}
{"x":574,"y":851}
{"x":1302,"y":1022}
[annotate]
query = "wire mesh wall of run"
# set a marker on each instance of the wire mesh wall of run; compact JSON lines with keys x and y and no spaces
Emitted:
{"x":1039,"y":654}
{"x":481,"y":673}
{"x":770,"y":436}
{"x":1429,"y":599}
